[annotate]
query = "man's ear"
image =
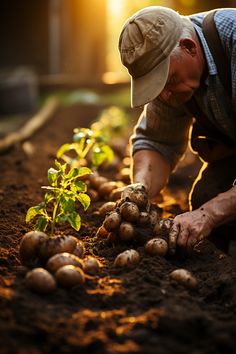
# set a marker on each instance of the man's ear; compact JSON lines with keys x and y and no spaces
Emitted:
{"x":189,"y":45}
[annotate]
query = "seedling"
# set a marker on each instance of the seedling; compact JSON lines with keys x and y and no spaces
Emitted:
{"x":86,"y":142}
{"x":60,"y":199}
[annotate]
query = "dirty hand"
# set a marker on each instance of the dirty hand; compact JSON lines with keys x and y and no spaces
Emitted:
{"x":190,"y":228}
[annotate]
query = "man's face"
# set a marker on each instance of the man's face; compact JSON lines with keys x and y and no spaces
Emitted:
{"x":183,"y":79}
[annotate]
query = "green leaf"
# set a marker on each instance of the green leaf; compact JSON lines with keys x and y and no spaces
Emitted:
{"x":100,"y":154}
{"x":75,"y":220}
{"x":78,"y":186}
{"x":48,"y":197}
{"x":73,"y":173}
{"x":84,"y":171}
{"x":67,"y":205}
{"x":52,"y":176}
{"x":61,"y":168}
{"x":84,"y":199}
{"x":41,"y":224}
{"x":33,"y":211}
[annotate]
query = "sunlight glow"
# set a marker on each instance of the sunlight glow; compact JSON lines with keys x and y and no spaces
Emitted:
{"x":115,"y":7}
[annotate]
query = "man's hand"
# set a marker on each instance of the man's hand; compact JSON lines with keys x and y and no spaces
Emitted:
{"x":190,"y":228}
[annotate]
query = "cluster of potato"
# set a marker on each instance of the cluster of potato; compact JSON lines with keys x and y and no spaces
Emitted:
{"x":100,"y":188}
{"x":124,"y":218}
{"x":55,"y":261}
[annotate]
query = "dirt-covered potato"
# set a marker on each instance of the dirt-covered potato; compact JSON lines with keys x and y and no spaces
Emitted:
{"x":126,"y":258}
{"x":144,"y":218}
{"x":106,"y":208}
{"x":112,"y":221}
{"x":184,"y":277}
{"x":116,"y":194}
{"x":139,"y":196}
{"x":106,"y":188}
{"x":156,"y":247}
{"x":40,"y":281}
{"x":154,"y":216}
{"x":126,"y":231}
{"x":60,"y":259}
{"x":91,"y":265}
{"x":57,"y":244}
{"x":93,"y":194}
{"x":129,"y":211}
{"x":69,"y":276}
{"x":124,"y":175}
{"x":102,"y":232}
{"x":29,"y":247}
{"x":95,"y":181}
{"x":79,"y":249}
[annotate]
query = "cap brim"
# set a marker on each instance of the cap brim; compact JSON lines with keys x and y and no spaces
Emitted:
{"x":145,"y":88}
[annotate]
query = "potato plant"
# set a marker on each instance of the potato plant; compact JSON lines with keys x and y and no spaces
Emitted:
{"x":60,"y":200}
{"x":87,"y":143}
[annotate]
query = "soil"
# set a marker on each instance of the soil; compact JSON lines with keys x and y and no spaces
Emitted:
{"x":136,"y":309}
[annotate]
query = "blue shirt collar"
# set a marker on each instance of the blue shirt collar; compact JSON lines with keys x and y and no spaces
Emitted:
{"x":212,"y":70}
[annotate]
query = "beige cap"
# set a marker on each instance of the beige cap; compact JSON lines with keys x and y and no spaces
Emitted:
{"x":146,"y":41}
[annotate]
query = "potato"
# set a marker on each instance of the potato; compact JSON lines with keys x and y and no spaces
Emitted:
{"x":139,"y":197}
{"x":57,"y":244}
{"x":61,"y":259}
{"x":93,"y":194}
{"x":166,"y":224}
{"x":184,"y":277}
{"x":102,"y":232}
{"x":154,"y":216}
{"x":106,"y":208}
{"x":79,"y":249}
{"x":40,"y":281}
{"x":127,"y":257}
{"x":95,"y":181}
{"x":126,"y":231}
{"x":29,"y":247}
{"x":116,"y":194}
{"x":91,"y":265}
{"x":156,"y":247}
{"x":144,"y":218}
{"x":112,"y":221}
{"x":129,"y":211}
{"x":69,"y":276}
{"x":124,"y":175}
{"x":106,"y":188}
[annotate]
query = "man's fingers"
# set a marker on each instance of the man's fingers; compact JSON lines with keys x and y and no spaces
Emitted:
{"x":173,"y":235}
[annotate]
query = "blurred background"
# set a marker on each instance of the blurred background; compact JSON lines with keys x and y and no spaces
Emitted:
{"x":67,"y":43}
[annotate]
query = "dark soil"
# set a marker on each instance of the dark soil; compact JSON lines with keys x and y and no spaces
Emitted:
{"x":137,"y":309}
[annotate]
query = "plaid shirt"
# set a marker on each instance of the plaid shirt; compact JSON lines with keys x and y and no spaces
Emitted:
{"x":166,"y":129}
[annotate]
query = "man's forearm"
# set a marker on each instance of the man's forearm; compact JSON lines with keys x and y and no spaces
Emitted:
{"x":222,"y":208}
{"x":151,"y":169}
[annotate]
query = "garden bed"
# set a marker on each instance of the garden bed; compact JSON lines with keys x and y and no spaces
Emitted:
{"x":136,"y":309}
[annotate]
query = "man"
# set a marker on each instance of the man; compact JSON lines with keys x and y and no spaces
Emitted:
{"x":171,"y":65}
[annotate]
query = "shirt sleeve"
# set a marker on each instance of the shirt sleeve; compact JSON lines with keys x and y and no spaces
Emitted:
{"x":163,"y":129}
